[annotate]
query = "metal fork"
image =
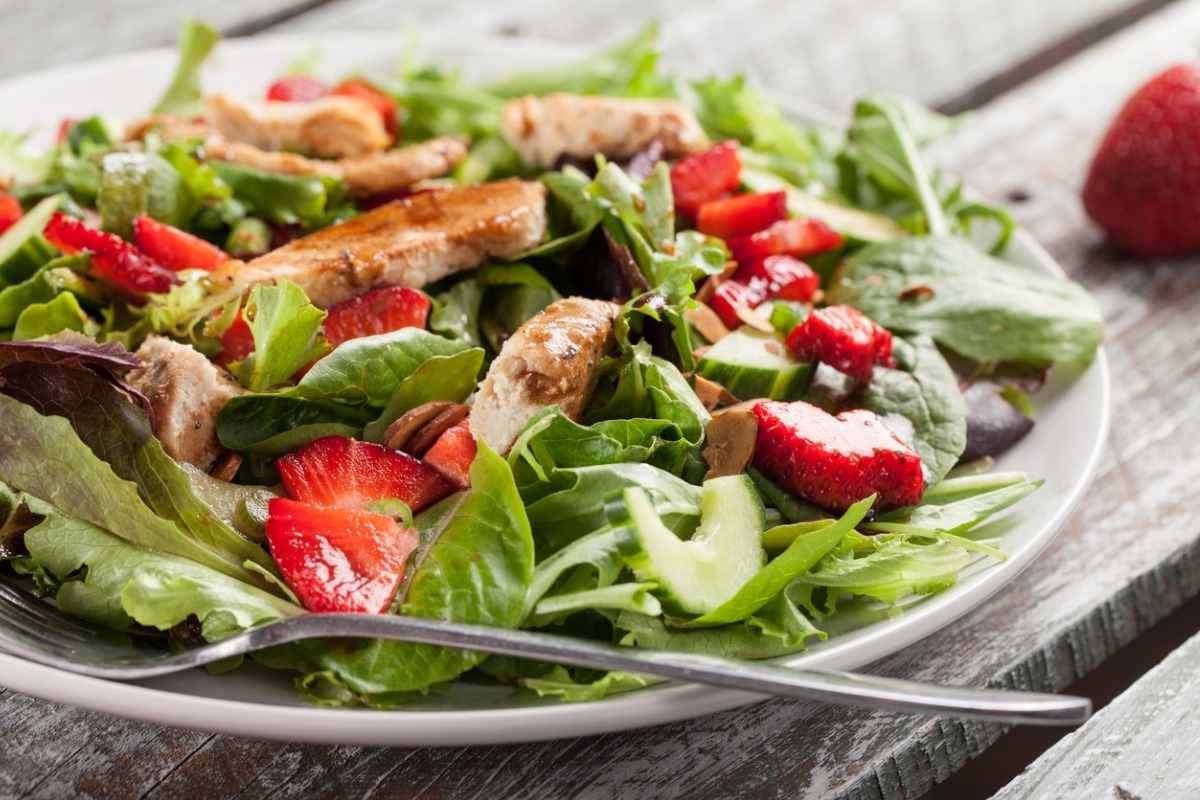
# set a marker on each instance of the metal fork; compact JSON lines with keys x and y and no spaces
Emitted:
{"x":37,"y":632}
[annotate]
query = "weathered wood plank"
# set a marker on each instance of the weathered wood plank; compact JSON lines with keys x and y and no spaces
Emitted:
{"x":1129,"y":558}
{"x":1138,"y":746}
{"x":46,"y":34}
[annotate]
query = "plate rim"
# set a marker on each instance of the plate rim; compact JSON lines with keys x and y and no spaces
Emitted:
{"x":658,"y":705}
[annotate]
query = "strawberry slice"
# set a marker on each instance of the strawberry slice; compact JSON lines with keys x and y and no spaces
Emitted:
{"x":339,"y":472}
{"x":452,"y":454}
{"x":741,"y":215}
{"x":382,"y":102}
{"x":845,"y":339}
{"x":834,"y":462}
{"x":800,"y":236}
{"x":697,"y":179}
{"x":377,"y":311}
{"x":114,"y":261}
{"x":758,"y":281}
{"x":297,"y":88}
{"x":237,"y":342}
{"x":10,"y":212}
{"x":336,"y":559}
{"x":173,"y":248}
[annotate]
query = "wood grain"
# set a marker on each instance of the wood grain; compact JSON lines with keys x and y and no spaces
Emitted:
{"x":1130,"y":556}
{"x":1137,"y":747}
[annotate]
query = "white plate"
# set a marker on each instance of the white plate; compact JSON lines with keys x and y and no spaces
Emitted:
{"x":1064,"y":449}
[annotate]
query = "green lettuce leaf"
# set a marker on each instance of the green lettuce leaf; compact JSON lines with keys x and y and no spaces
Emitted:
{"x":980,"y":307}
{"x":182,"y":97}
{"x":61,"y":313}
{"x":452,"y":378}
{"x":284,"y":199}
{"x":286,"y":329}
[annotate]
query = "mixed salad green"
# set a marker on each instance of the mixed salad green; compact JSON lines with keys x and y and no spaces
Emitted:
{"x":600,"y":526}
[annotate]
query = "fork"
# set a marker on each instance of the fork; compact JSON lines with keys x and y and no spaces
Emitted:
{"x":35,"y":631}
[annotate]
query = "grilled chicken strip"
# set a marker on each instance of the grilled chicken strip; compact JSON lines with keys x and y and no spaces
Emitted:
{"x":186,"y":391}
{"x":376,"y":173}
{"x":410,"y":242}
{"x":330,"y":127}
{"x":550,"y":360}
{"x":547,"y":128}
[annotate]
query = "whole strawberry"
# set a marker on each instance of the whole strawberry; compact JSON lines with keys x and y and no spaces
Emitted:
{"x":1144,"y":185}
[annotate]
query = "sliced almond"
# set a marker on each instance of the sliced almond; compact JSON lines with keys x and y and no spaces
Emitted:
{"x":226,"y":466}
{"x":697,"y":354}
{"x":708,"y":392}
{"x":401,"y":432}
{"x":707,"y":322}
{"x":730,"y":443}
{"x":745,"y":405}
{"x":429,"y":433}
{"x":709,"y":286}
{"x":755,"y":320}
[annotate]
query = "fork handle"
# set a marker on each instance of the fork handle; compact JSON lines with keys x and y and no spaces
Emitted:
{"x":824,"y":685}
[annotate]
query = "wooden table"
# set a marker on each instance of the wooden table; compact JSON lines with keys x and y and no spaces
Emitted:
{"x":1129,"y":557}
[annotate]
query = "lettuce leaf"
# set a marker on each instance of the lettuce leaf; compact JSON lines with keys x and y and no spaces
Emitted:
{"x":286,"y":329}
{"x":182,"y":97}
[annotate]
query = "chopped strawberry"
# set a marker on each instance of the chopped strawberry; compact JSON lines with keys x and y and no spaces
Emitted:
{"x":337,"y":559}
{"x":697,"y":179}
{"x":377,"y":311}
{"x":173,"y":248}
{"x":10,"y":212}
{"x":741,"y":215}
{"x":1143,"y":187}
{"x":114,"y":261}
{"x":297,"y":88}
{"x":767,"y":278}
{"x":64,"y":128}
{"x":835,"y":461}
{"x":237,"y":342}
{"x":339,"y":472}
{"x":452,"y":454}
{"x":384,"y":103}
{"x":844,"y":338}
{"x":800,"y":236}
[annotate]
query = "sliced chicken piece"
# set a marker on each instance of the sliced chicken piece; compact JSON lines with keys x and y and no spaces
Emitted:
{"x":380,"y":172}
{"x":186,"y":391}
{"x":550,"y":360}
{"x":330,"y":127}
{"x":547,"y":128}
{"x":410,"y":242}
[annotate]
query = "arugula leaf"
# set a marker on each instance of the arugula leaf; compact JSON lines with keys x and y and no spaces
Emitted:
{"x":921,"y":395}
{"x":474,"y":564}
{"x":182,"y":97}
{"x":980,"y":307}
{"x":776,"y":631}
{"x":959,"y":504}
{"x":286,"y":329}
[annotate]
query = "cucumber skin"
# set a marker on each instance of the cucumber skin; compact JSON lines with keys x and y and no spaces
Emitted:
{"x":736,"y":363}
{"x":688,"y":565}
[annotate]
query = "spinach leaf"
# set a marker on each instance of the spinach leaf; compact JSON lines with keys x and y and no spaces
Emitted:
{"x":196,"y":41}
{"x":286,"y":328}
{"x":274,"y":424}
{"x":440,"y":378}
{"x":284,"y":199}
{"x":980,"y":307}
{"x":922,"y":404}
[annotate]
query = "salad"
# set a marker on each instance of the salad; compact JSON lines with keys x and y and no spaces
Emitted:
{"x":597,"y":350}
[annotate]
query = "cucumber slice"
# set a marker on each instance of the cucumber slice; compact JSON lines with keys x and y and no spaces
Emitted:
{"x":696,"y":576}
{"x":751,"y":364}
{"x":852,"y":223}
{"x":22,"y":249}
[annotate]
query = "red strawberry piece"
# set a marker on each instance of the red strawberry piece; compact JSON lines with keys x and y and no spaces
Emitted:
{"x":64,"y":128}
{"x":10,"y":212}
{"x":173,"y":248}
{"x":1143,"y":188}
{"x":834,"y":462}
{"x":382,"y":102}
{"x":297,"y":88}
{"x":780,"y":277}
{"x":339,"y":472}
{"x":114,"y":261}
{"x":237,"y":342}
{"x":741,"y":215}
{"x":845,"y":339}
{"x":705,"y":176}
{"x":800,"y":236}
{"x":377,"y":311}
{"x":452,"y":454}
{"x":337,"y":559}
